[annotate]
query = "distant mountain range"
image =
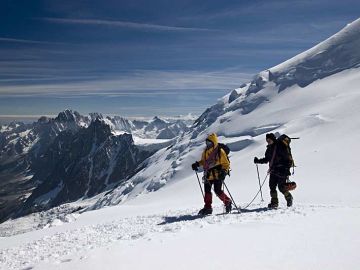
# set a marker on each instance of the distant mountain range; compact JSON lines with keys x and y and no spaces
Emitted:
{"x":70,"y":157}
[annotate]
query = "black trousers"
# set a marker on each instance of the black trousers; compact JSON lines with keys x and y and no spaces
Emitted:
{"x":277,"y":181}
{"x":217,"y":186}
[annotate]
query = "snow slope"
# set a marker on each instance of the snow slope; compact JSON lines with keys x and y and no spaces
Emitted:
{"x":283,"y":239}
{"x":319,"y":232}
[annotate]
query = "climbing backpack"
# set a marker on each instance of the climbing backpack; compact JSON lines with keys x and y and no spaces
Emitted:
{"x":226,"y":150}
{"x":286,"y":140}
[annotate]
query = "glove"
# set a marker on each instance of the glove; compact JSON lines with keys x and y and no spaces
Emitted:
{"x":195,"y":166}
{"x":256,"y":160}
{"x":222,"y":174}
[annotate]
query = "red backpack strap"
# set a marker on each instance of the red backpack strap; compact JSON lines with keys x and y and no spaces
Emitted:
{"x":210,"y":158}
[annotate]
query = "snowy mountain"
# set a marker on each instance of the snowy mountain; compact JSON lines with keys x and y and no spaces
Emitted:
{"x":21,"y":150}
{"x":314,"y":96}
{"x":82,"y":165}
{"x":337,"y":53}
{"x":40,"y":162}
{"x":242,"y":117}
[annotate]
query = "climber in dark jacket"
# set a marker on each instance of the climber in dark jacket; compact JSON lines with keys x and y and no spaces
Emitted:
{"x":280,"y":162}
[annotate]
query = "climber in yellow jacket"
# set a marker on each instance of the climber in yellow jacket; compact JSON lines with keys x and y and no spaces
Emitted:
{"x":216,"y":166}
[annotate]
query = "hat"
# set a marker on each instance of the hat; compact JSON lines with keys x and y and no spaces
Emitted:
{"x":271,"y":136}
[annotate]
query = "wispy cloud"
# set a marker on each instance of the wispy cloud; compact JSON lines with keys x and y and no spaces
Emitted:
{"x":27,"y":41}
{"x":140,"y":82}
{"x":124,"y":24}
{"x":266,"y":8}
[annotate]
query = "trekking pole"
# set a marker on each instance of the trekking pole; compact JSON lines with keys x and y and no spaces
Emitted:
{"x":257,"y":169}
{"x":231,"y":197}
{"x":202,"y":192}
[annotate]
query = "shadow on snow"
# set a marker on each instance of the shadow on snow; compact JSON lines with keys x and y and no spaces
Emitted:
{"x":174,"y":219}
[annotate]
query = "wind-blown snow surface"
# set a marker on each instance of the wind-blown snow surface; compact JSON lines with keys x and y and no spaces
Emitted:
{"x":159,"y":229}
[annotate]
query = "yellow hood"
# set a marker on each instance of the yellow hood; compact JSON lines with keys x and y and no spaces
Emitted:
{"x":213,"y":138}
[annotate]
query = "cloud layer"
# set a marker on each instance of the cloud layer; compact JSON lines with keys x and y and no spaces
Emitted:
{"x":123,"y":24}
{"x":140,"y":82}
{"x":149,"y":55}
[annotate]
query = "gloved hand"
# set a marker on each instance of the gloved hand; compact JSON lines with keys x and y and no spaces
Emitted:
{"x":256,"y":160}
{"x":195,"y":166}
{"x":222,"y":174}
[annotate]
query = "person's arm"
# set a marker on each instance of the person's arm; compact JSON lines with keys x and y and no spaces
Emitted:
{"x":265,"y":159}
{"x":199,"y":163}
{"x":202,"y":160}
{"x":224,"y":161}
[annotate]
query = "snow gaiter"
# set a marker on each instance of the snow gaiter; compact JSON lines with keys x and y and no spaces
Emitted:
{"x":226,"y":200}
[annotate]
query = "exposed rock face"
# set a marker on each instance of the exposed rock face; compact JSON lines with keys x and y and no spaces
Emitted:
{"x":21,"y":148}
{"x":83,"y":164}
{"x":70,"y":157}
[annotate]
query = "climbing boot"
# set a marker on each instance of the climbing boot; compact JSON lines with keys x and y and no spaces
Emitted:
{"x":205,"y":211}
{"x":289,"y":199}
{"x":274,"y":203}
{"x":228,"y":207}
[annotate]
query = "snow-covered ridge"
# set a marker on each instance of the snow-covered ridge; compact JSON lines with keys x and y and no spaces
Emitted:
{"x":18,"y":138}
{"x":337,"y":53}
{"x":261,"y":106}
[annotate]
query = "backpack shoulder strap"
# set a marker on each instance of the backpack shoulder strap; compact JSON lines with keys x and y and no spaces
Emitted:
{"x":210,"y":158}
{"x":273,"y":157}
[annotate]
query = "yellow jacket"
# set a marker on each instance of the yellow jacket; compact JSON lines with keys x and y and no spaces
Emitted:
{"x":212,"y":161}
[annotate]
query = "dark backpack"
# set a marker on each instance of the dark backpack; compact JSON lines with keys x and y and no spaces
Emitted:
{"x":225,"y":148}
{"x":286,"y":140}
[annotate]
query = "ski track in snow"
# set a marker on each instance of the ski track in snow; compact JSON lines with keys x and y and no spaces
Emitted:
{"x":54,"y":248}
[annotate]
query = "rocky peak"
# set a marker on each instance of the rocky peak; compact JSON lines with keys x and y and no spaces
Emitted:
{"x":156,"y":119}
{"x":95,"y":115}
{"x":43,"y":120}
{"x":68,"y":116}
{"x":99,"y":130}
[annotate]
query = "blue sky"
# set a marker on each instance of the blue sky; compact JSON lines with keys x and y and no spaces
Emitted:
{"x":145,"y":58}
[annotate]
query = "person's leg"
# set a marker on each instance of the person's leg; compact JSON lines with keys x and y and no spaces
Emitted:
{"x":208,"y":195}
{"x":220,"y":193}
{"x":283,"y":190}
{"x":273,"y":182}
{"x":222,"y":196}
